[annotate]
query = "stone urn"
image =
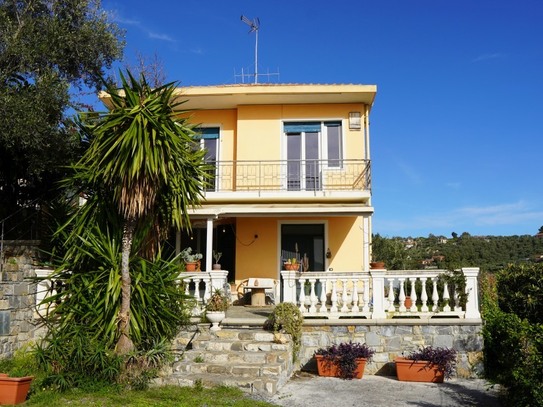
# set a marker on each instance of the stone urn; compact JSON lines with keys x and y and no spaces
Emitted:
{"x":215,"y":317}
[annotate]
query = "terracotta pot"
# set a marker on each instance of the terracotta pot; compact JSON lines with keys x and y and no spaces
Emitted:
{"x":192,"y":266}
{"x":408,"y":302}
{"x":291,"y":267}
{"x":13,"y":390}
{"x":377,"y":264}
{"x":409,"y":370}
{"x":331,"y":369}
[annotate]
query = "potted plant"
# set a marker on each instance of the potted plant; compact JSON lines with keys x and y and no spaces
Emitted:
{"x":292,"y":264}
{"x":428,"y":364}
{"x":192,"y":260}
{"x":13,"y":390}
{"x":346,"y":360}
{"x":216,"y":307}
{"x":217,"y":256}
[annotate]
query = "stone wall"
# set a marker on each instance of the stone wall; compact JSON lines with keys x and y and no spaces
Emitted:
{"x":390,"y":338}
{"x":18,"y":323}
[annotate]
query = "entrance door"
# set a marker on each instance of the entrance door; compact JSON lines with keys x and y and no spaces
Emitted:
{"x":304,"y":239}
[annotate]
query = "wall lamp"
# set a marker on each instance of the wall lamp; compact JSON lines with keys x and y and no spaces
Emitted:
{"x":355,"y":122}
{"x":328,"y":253}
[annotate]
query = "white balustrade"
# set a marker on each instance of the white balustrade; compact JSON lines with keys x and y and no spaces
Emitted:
{"x":380,"y":294}
{"x":201,"y":285}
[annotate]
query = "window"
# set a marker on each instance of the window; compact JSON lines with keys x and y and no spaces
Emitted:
{"x":209,"y":140}
{"x":311,"y":146}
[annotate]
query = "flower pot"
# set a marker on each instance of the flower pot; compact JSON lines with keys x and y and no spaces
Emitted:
{"x":215,"y":317}
{"x":291,"y":267}
{"x":195,"y":266}
{"x":409,"y":370}
{"x":331,"y":369}
{"x":13,"y":390}
{"x":408,"y":302}
{"x":377,"y":264}
{"x":216,"y":266}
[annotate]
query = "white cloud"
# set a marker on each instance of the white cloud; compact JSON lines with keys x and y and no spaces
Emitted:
{"x":466,"y":218}
{"x":486,"y":57}
{"x":162,"y":37}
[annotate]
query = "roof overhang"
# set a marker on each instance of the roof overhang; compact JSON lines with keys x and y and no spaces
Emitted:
{"x":231,"y":96}
{"x":279,"y":210}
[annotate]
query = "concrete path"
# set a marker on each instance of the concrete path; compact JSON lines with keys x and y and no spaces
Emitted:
{"x":313,"y":391}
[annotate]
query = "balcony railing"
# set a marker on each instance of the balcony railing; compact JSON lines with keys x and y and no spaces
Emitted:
{"x":291,"y":175}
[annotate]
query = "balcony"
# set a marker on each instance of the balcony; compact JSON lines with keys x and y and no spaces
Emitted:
{"x":291,"y":178}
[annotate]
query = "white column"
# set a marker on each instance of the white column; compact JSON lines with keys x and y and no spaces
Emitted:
{"x":366,"y":239}
{"x":289,"y":286}
{"x":378,"y":294}
{"x":209,"y":244}
{"x":472,"y":305}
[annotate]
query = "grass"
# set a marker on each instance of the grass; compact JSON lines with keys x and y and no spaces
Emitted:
{"x":195,"y":396}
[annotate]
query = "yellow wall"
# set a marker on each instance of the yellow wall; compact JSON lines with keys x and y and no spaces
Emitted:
{"x":255,"y":132}
{"x":260,"y":257}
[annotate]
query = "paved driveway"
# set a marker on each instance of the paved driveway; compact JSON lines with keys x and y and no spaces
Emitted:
{"x":309,"y":390}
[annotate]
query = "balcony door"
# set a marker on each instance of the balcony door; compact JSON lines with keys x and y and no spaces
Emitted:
{"x":311,"y":147}
{"x":209,"y":141}
{"x":303,"y":239}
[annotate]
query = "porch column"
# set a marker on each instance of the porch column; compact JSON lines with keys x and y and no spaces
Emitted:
{"x":289,"y":286}
{"x":209,"y":244}
{"x":366,"y":239}
{"x":378,"y":293}
{"x":472,"y":305}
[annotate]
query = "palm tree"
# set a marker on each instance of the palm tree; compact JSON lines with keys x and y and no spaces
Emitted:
{"x":143,"y":162}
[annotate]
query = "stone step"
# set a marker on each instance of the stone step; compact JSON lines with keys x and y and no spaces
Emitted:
{"x":248,"y":385}
{"x":247,"y":358}
{"x":208,"y":356}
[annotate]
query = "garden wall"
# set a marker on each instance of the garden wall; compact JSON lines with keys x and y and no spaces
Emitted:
{"x":18,"y":322}
{"x":391,"y":337}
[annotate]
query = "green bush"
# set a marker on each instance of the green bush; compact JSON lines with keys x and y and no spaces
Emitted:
{"x":79,"y":347}
{"x":287,"y":317}
{"x":512,"y":334}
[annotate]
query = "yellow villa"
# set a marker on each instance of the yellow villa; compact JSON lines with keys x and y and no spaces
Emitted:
{"x":292,"y":177}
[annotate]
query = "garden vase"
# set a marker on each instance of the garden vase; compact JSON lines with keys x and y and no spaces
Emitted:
{"x":215,"y":317}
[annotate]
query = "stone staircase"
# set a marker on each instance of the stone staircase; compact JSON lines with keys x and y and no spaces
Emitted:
{"x":249,"y":358}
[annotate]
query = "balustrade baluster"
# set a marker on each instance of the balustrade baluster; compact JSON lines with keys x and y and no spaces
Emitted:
{"x":303,"y":309}
{"x":355,"y":296}
{"x":344,"y":297}
{"x":391,"y":296}
{"x":424,"y":295}
{"x":313,"y":297}
{"x":446,"y":298}
{"x":333,"y":297}
{"x":366,"y":295}
{"x":435,"y":295}
{"x":401,"y":297}
{"x":413,"y":295}
{"x":322,"y":308}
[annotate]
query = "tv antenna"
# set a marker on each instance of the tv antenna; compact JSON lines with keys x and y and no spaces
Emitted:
{"x":255,"y":25}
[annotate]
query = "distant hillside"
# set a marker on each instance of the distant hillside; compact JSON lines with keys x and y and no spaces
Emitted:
{"x":488,"y":252}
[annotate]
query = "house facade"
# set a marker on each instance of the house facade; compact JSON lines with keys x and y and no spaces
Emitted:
{"x":292,"y":177}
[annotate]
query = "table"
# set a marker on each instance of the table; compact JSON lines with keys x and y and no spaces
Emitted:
{"x":258,"y":294}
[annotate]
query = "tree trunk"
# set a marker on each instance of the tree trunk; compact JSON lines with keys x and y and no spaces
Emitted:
{"x":124,"y":343}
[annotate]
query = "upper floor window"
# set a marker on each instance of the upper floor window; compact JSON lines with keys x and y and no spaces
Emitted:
{"x":315,"y":141}
{"x":209,"y":140}
{"x":311,"y":147}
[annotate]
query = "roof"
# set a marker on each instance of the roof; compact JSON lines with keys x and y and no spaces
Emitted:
{"x":231,"y":96}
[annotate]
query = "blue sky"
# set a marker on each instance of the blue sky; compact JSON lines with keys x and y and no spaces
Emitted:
{"x":457,"y":125}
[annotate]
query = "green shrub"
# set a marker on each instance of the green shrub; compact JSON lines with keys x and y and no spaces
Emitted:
{"x":513,"y":333}
{"x":288,"y":318}
{"x":79,"y":347}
